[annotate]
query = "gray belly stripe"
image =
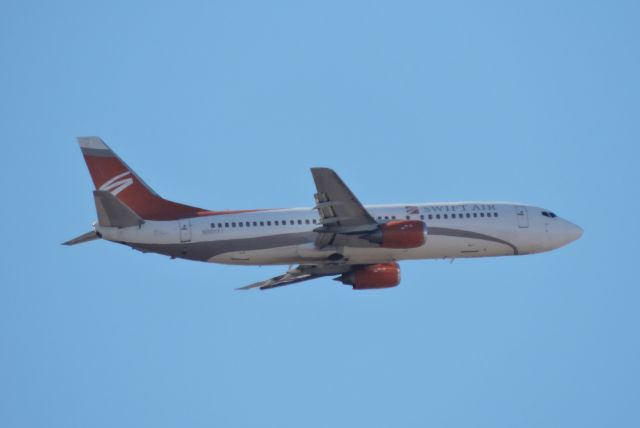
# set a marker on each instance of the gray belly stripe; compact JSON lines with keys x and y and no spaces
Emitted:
{"x":205,"y":250}
{"x":457,"y":233}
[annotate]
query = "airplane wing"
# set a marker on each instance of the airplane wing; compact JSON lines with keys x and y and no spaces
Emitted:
{"x":342,"y":218}
{"x":340,"y":211}
{"x":298,"y":274}
{"x":281,"y":280}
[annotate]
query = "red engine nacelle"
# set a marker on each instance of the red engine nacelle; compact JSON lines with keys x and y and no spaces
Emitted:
{"x":400,"y":234}
{"x":381,"y":275}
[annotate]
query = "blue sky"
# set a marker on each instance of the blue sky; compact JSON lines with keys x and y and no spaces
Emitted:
{"x":227,"y":105}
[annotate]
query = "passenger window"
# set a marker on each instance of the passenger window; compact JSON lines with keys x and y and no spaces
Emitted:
{"x":226,"y":225}
{"x":386,"y":217}
{"x":453,"y":216}
{"x":481,"y":214}
{"x":213,"y":225}
{"x":408,"y":218}
{"x":314,"y":221}
{"x":277,"y":223}
{"x":421,"y":217}
{"x":468,"y":215}
{"x":269,"y":223}
{"x":240,"y":224}
{"x":306,"y":221}
{"x":495,"y":214}
{"x":475,"y":215}
{"x":393,"y":217}
{"x":299,"y":221}
{"x":291,"y":222}
{"x":438,"y":216}
{"x":233,"y":224}
{"x":255,"y":223}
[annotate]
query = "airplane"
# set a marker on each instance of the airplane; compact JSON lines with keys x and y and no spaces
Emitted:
{"x":358,"y":245}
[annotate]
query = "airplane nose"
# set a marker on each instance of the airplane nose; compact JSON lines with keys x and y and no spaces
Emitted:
{"x":564,"y":232}
{"x":574,"y":232}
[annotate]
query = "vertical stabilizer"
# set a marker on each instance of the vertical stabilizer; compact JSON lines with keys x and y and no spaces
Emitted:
{"x":111,"y":174}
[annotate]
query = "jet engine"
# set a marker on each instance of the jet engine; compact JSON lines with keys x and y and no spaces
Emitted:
{"x":399,"y":234}
{"x":381,"y":275}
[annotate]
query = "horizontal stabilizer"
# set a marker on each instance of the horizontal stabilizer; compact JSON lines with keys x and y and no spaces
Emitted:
{"x":112,"y":212}
{"x":85,"y":237}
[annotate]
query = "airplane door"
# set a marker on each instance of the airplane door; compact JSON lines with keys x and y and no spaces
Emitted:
{"x":522,"y":216}
{"x":185,"y":230}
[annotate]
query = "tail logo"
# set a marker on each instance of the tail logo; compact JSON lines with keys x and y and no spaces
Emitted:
{"x":118,"y":183}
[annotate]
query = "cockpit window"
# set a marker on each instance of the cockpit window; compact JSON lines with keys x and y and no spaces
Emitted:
{"x":549,"y":214}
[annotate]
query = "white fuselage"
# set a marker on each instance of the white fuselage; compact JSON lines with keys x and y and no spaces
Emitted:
{"x":286,"y":236}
